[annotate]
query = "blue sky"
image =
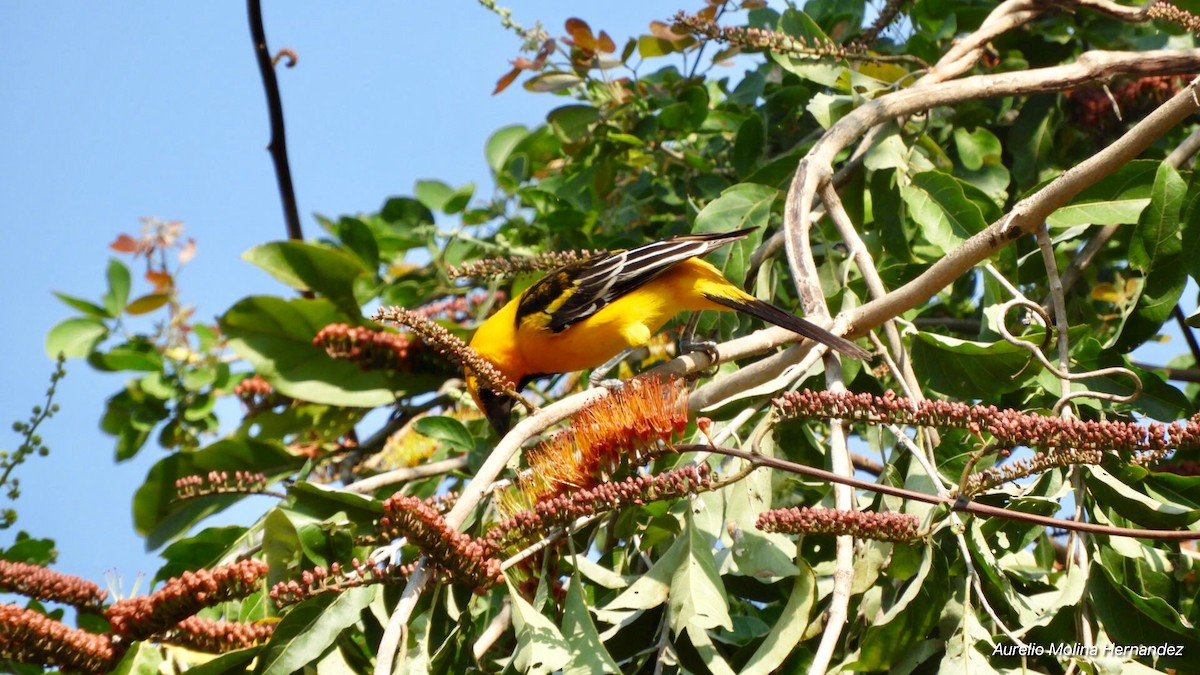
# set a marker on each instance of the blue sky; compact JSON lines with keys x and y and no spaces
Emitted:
{"x":116,"y":111}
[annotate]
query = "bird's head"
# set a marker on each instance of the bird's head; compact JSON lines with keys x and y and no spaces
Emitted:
{"x":496,"y":406}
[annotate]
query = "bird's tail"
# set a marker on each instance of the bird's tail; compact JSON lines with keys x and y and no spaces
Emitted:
{"x":774,"y":315}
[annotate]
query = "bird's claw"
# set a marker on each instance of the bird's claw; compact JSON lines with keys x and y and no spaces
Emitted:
{"x":710,"y":350}
{"x":612,"y":384}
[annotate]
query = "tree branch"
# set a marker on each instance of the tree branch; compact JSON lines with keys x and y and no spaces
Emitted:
{"x":278,"y":145}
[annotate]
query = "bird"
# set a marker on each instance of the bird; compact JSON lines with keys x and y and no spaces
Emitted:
{"x":585,"y":313}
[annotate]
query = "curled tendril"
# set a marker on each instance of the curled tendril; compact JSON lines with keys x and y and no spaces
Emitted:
{"x":1037,"y":352}
{"x":285,"y":53}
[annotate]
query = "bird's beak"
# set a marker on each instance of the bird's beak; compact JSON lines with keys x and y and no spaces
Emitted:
{"x":497,"y":408}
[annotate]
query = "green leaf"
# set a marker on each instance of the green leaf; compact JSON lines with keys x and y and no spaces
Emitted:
{"x":649,"y":46}
{"x":275,"y":336}
{"x":204,"y":549}
{"x":541,"y":648}
{"x":229,"y":663}
{"x":501,"y":143}
{"x":311,"y":267}
{"x":697,"y":596}
{"x":157,"y":513}
{"x":358,"y":237}
{"x":903,"y":624}
{"x":447,"y":430}
{"x":652,"y":588}
{"x":688,"y":113}
{"x":976,"y":148}
{"x":147,"y":303}
{"x":552,"y":81}
{"x":312,"y":627}
{"x":1190,"y":218}
{"x":75,"y":337}
{"x":889,"y":213}
{"x":742,"y":206}
{"x":588,"y":654}
{"x":792,"y":623}
{"x":1114,"y":493}
{"x":89,"y":308}
{"x":1134,"y":619}
{"x":1031,"y":139}
{"x":119,"y":283}
{"x":137,"y":355}
{"x":938,"y":203}
{"x":748,"y":145}
{"x":964,"y":369}
{"x":1118,"y":198}
{"x":1155,"y":250}
{"x":143,"y":658}
{"x":573,"y":123}
{"x":433,"y":193}
{"x":760,"y":556}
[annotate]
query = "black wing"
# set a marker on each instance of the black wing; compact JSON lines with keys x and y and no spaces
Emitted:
{"x":578,"y":290}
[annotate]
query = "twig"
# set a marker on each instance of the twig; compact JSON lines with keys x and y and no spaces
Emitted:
{"x":956,"y":504}
{"x":369,"y":485}
{"x":278,"y":145}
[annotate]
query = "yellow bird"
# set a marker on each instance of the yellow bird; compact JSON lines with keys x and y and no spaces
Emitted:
{"x":584,"y":313}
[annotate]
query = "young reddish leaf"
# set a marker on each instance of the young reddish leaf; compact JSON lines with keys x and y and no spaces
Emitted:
{"x":581,"y":33}
{"x":161,"y":280}
{"x":662,"y":31}
{"x":606,"y":43}
{"x":753,"y":4}
{"x":125,"y":244}
{"x":708,"y":13}
{"x":506,"y":80}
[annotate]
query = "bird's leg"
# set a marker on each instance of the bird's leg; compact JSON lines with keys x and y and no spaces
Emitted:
{"x":689,"y":343}
{"x":598,"y":379}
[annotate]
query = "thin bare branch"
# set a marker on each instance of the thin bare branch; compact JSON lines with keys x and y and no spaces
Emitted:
{"x":278,"y":145}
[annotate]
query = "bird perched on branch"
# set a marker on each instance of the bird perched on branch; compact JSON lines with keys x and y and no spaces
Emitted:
{"x":586,"y":312}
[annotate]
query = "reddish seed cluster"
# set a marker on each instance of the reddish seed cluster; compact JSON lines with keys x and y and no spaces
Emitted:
{"x":490,"y":268}
{"x":336,"y":579}
{"x":446,"y":345}
{"x":460,"y":308}
{"x":370,"y":349}
{"x":465,"y":559}
{"x":27,"y":636}
{"x":219,"y":482}
{"x":35,"y":581}
{"x":570,"y":506}
{"x":252,"y":387}
{"x":257,"y":394}
{"x":887,"y":15}
{"x":1020,"y":468}
{"x":882,"y":526}
{"x":1096,"y":109}
{"x":1180,"y":17}
{"x":1009,"y":428}
{"x":755,"y":38}
{"x":627,"y":426}
{"x":183,"y":596}
{"x":216,"y":637}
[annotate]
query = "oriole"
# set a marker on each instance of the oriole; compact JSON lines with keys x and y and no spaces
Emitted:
{"x":582,"y":314}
